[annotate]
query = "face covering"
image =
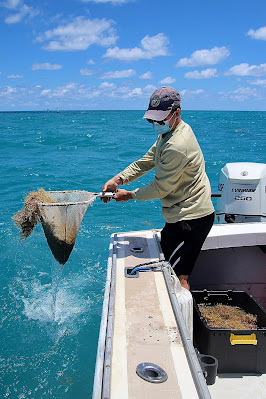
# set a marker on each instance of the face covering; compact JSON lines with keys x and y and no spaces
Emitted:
{"x":163,"y":129}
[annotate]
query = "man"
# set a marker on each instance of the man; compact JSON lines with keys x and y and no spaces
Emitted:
{"x":180,"y":182}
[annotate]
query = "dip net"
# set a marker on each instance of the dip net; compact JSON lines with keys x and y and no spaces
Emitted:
{"x":60,"y":213}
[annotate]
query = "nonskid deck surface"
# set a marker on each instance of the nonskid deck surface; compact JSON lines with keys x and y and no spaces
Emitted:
{"x":145,"y":330}
{"x":234,"y":386}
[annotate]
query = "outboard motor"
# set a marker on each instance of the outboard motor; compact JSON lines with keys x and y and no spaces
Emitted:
{"x":242,"y":186}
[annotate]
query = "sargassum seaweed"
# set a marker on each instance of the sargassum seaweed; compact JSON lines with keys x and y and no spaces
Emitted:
{"x":28,"y":217}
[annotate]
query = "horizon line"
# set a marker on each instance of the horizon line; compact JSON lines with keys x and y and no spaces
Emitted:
{"x":122,"y":110}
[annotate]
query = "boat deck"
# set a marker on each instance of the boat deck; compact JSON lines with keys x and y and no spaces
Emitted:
{"x":145,"y":328}
{"x":142,"y":327}
{"x":232,"y":386}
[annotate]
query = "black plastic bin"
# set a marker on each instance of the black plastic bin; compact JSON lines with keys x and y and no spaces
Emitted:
{"x":237,"y":351}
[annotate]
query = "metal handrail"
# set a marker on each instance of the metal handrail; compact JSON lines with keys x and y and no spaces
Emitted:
{"x":101,"y":351}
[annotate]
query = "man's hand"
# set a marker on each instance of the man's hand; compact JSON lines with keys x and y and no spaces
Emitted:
{"x":111,"y":185}
{"x":122,"y":195}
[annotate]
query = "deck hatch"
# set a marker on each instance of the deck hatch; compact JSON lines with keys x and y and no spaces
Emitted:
{"x":137,"y":249}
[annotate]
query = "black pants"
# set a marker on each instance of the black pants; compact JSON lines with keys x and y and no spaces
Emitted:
{"x":181,"y":242}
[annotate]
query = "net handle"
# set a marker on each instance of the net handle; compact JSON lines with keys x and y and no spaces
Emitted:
{"x":100,"y":195}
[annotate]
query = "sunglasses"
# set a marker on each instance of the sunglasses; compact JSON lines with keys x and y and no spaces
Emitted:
{"x":159,"y":122}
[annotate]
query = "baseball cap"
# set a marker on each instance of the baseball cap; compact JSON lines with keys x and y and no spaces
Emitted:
{"x":162,"y":101}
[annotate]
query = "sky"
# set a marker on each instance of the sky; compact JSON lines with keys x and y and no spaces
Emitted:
{"x":112,"y":54}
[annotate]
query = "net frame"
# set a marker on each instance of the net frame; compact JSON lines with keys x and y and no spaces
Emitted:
{"x":62,"y":203}
{"x":61,"y":220}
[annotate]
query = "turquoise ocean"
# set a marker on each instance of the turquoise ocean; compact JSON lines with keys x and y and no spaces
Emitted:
{"x":50,"y":315}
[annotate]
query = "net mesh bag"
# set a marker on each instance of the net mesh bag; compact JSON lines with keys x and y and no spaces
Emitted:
{"x":60,"y":213}
{"x":61,"y":220}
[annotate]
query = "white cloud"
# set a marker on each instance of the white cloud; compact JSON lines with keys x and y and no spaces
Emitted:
{"x":7,"y":91}
{"x":19,"y":94}
{"x":259,"y":34}
{"x":46,"y":66}
{"x":77,"y":91}
{"x":90,"y":62}
{"x":79,"y":35}
{"x":258,"y":82}
{"x":45,"y":92}
{"x":146,"y":75}
{"x":205,"y":57}
{"x":24,"y":11}
{"x":240,"y":94}
{"x":126,"y":92}
{"x":167,"y":81}
{"x":15,"y":76}
{"x":191,"y":93}
{"x":107,"y":86}
{"x":69,"y":90}
{"x":137,"y":92}
{"x":119,"y":74}
{"x":86,"y":72}
{"x":149,"y":89}
{"x":21,"y":11}
{"x":206,"y":74}
{"x":72,"y":92}
{"x":247,"y":70}
{"x":150,"y":47}
{"x":11,"y":4}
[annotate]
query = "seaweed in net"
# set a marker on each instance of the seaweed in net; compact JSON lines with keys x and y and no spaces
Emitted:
{"x":60,"y":213}
{"x":28,"y":217}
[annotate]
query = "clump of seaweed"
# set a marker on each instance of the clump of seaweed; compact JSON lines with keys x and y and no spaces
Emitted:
{"x":28,"y":217}
{"x":229,"y":317}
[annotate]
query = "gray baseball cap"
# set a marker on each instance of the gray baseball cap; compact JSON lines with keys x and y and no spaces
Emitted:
{"x":162,"y":101}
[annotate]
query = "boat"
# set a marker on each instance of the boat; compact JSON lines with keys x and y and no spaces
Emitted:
{"x":150,"y":335}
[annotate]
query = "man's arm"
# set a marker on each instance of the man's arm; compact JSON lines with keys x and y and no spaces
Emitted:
{"x":167,"y":177}
{"x":131,"y":173}
{"x":139,"y":168}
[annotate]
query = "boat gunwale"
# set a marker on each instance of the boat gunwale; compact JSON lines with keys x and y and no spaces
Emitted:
{"x":101,"y":349}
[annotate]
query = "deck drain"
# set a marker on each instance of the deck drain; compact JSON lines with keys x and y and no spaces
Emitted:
{"x":137,"y":249}
{"x":151,"y":372}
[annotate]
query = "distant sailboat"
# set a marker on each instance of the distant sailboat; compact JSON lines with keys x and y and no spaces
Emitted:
{"x":57,"y":110}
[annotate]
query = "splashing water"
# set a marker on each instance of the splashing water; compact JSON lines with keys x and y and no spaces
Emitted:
{"x":55,"y":302}
{"x":57,"y":274}
{"x":50,"y":310}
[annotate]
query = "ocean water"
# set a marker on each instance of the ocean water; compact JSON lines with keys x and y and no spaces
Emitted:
{"x":49,"y":314}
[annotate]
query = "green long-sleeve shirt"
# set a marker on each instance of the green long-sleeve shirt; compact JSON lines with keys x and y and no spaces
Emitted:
{"x":180,"y":179}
